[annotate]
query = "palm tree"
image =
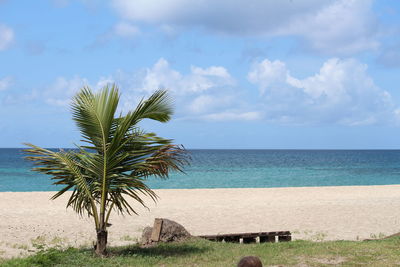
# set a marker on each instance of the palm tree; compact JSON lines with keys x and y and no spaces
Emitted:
{"x":116,"y":159}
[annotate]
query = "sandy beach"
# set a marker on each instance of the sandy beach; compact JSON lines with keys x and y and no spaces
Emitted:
{"x":316,"y":213}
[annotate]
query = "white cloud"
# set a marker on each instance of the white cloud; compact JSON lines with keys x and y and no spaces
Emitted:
{"x":208,"y":93}
{"x":268,"y":74}
{"x":197,"y":93}
{"x":337,"y":26}
{"x":211,"y":71}
{"x":58,"y":93}
{"x":6,"y":37}
{"x":206,"y":103}
{"x":18,"y":99}
{"x":121,"y":30}
{"x":161,"y":75}
{"x":63,"y":89}
{"x":234,"y":116}
{"x":201,"y":103}
{"x":5,"y":83}
{"x":200,"y":91}
{"x":208,"y":13}
{"x":341,"y":92}
{"x":103,"y":81}
{"x":126,"y":30}
{"x":344,"y":27}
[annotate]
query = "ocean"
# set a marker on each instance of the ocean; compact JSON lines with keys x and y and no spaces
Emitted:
{"x":241,"y":169}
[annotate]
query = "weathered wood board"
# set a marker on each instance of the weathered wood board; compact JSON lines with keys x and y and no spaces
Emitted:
{"x":261,"y":237}
{"x":155,"y":234}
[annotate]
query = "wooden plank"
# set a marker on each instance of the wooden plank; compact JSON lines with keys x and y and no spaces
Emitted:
{"x":155,"y":234}
{"x":250,"y":234}
{"x":232,"y":239}
{"x":248,"y":240}
{"x":283,"y":233}
{"x":245,"y":235}
{"x":267,"y":238}
{"x":263,"y":236}
{"x":284,"y":238}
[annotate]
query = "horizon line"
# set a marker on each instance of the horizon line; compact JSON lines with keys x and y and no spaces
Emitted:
{"x":316,"y":149}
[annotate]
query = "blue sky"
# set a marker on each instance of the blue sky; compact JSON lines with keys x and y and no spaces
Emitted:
{"x":254,"y":74}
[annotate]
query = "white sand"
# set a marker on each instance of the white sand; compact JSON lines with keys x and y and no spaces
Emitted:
{"x":351,"y":212}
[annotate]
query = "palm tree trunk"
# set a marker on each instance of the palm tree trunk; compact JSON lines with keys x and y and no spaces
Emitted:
{"x":101,"y":244}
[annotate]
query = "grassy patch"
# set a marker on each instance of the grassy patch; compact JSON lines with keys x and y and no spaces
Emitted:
{"x":204,"y":253}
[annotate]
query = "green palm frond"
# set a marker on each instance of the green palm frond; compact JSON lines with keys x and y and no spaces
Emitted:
{"x":94,"y":114}
{"x":156,"y":107}
{"x":66,"y":169}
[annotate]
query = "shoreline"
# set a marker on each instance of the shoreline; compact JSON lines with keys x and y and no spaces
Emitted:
{"x":315,"y":213}
{"x":232,"y":188}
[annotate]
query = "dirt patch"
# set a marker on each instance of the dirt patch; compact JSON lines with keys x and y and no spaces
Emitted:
{"x":331,"y":261}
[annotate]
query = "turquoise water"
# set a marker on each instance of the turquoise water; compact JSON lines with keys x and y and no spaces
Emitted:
{"x":243,"y":168}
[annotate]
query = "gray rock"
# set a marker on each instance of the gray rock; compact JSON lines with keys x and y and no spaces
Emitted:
{"x":170,"y":232}
{"x":146,"y":235}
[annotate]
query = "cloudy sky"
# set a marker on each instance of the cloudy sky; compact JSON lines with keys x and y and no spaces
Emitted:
{"x":243,"y":74}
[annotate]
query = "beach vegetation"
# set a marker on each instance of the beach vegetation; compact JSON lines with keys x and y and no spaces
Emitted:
{"x":203,"y":253}
{"x":115,"y":160}
{"x":39,"y":242}
{"x":377,"y":236}
{"x":20,"y":246}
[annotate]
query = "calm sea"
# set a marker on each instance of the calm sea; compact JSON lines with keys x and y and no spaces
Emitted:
{"x":243,"y":168}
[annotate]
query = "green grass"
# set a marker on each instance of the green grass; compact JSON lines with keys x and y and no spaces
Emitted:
{"x":205,"y":253}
